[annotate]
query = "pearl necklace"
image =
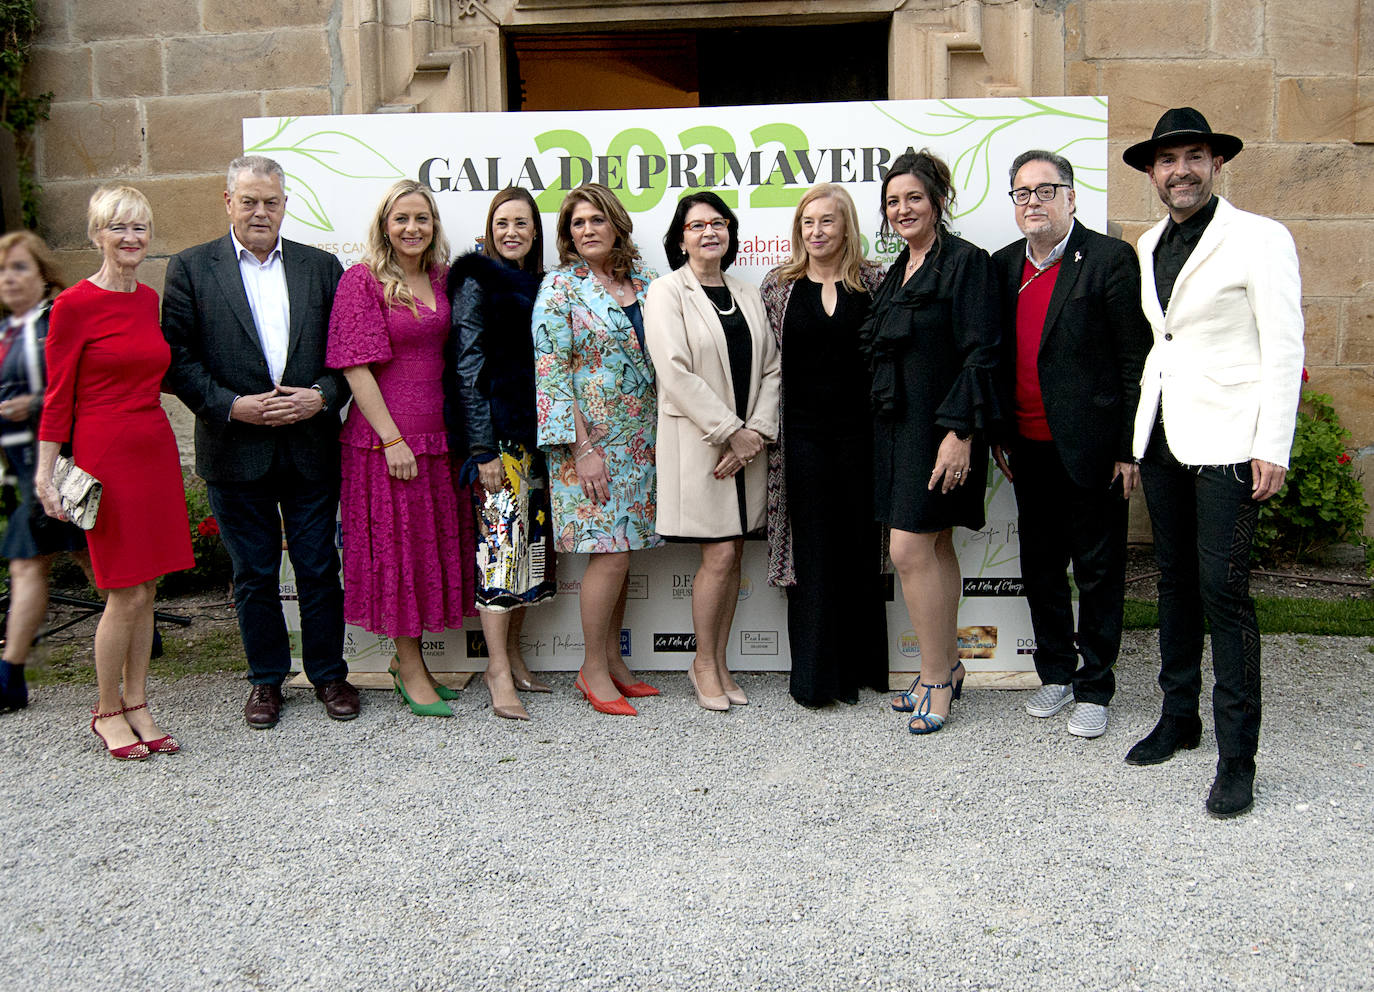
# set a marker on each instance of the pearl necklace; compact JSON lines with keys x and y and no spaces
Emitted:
{"x":724,"y":313}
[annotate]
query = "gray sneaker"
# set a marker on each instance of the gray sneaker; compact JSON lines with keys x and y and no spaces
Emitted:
{"x":1049,"y":700}
{"x":1088,"y":720}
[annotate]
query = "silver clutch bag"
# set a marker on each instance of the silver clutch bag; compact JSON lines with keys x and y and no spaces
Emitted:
{"x":78,"y":491}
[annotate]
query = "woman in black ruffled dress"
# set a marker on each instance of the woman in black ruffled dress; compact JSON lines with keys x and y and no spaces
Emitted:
{"x":932,"y":340}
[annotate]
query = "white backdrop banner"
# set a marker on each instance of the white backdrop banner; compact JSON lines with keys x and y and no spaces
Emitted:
{"x":760,"y":160}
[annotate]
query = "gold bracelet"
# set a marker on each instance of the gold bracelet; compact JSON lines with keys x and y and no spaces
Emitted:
{"x":396,"y":440}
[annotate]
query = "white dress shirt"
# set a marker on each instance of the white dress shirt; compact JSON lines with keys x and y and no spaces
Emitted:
{"x":265,"y":285}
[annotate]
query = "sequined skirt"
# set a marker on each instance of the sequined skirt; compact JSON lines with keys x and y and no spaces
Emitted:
{"x":515,"y":556}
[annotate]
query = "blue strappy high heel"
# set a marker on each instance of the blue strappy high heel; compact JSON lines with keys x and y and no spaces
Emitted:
{"x":906,"y":702}
{"x":926,"y":722}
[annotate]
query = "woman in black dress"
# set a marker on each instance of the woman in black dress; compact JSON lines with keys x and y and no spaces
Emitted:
{"x":823,"y":545}
{"x":28,"y":282}
{"x":932,"y":339}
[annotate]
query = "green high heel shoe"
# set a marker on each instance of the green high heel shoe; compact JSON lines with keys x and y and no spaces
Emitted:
{"x":439,"y":708}
{"x":442,"y":691}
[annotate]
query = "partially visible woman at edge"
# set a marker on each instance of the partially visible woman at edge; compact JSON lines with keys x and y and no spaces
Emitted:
{"x":718,"y":374}
{"x":823,"y":543}
{"x":932,"y":340}
{"x":407,"y":528}
{"x":596,"y":406}
{"x":106,"y":359}
{"x":491,"y":387}
{"x":28,"y":282}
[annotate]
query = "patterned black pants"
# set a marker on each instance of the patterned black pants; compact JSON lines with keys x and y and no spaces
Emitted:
{"x":1204,"y":524}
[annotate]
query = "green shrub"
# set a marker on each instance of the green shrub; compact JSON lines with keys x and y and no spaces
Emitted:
{"x":213,"y":571}
{"x":19,"y":112}
{"x":1321,"y":502}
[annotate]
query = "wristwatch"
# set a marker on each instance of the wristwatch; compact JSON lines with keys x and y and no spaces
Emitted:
{"x":963,"y":435}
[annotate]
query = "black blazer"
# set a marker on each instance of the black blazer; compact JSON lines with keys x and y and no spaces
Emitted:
{"x":216,"y":356}
{"x":1091,"y":354}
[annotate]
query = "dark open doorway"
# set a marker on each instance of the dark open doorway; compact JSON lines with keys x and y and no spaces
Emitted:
{"x":709,"y":68}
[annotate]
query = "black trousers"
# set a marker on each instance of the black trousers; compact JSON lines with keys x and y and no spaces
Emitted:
{"x":1204,"y":524}
{"x":836,"y":614}
{"x":251,"y":517}
{"x":1063,"y":524}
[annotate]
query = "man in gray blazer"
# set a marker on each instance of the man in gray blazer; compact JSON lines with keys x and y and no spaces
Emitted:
{"x":1218,"y":404}
{"x":247,"y":316}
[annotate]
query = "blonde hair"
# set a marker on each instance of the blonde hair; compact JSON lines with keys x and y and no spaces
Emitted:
{"x":624,"y":254}
{"x":381,"y":256}
{"x":851,"y":260}
{"x":42,"y":257}
{"x":114,"y":203}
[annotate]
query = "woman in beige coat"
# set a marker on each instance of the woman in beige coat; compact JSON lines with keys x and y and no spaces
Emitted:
{"x":718,"y":373}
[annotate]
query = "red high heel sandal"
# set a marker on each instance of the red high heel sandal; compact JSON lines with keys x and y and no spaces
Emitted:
{"x":166,"y":744}
{"x":634,"y":690}
{"x":129,"y":752}
{"x":614,"y":707}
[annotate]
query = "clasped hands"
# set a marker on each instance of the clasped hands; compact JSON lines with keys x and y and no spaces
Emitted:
{"x":743,"y":447}
{"x":279,"y":407}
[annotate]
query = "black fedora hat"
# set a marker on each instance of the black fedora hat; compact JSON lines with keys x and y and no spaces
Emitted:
{"x":1176,"y":127}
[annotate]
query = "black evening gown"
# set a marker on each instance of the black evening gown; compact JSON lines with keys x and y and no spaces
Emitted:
{"x":933,"y":345}
{"x":836,"y":614}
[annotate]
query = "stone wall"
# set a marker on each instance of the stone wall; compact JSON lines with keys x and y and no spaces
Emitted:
{"x":154,"y":91}
{"x":1295,"y":80}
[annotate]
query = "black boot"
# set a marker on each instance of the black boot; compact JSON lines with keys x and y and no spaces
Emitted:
{"x":1171,"y":734}
{"x":1233,"y":792}
{"x":14,"y":691}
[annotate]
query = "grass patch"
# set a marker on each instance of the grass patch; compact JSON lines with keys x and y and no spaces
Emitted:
{"x":207,"y":651}
{"x":56,"y":665}
{"x":210,"y":651}
{"x":1326,"y":617}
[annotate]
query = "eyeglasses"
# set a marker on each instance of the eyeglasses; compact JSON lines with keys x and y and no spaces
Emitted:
{"x":1044,"y":193}
{"x":719,"y":225}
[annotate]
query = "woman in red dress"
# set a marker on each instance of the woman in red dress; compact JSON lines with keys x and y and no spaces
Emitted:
{"x":106,"y":358}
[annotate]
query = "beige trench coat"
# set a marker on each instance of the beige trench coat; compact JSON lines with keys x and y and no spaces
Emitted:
{"x":696,"y":408}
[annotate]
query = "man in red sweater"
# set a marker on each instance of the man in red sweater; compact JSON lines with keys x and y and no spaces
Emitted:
{"x":1074,"y":341}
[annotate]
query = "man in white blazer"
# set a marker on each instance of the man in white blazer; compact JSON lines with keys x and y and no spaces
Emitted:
{"x":1218,"y":404}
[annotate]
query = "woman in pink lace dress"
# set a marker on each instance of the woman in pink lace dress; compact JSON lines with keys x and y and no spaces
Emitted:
{"x":407,"y":525}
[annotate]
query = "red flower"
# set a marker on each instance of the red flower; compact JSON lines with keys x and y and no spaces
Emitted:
{"x":1343,"y":458}
{"x":208,"y":527}
{"x":1304,"y":373}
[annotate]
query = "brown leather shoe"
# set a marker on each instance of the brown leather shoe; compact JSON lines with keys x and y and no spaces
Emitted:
{"x":340,"y":699}
{"x":263,"y":709}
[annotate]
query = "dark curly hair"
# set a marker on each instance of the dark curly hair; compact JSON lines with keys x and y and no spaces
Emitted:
{"x":934,"y":176}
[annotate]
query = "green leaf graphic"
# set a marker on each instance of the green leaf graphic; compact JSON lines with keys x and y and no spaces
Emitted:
{"x":282,"y":124}
{"x":339,"y":152}
{"x":345,"y":155}
{"x":303,"y":204}
{"x":972,"y":170}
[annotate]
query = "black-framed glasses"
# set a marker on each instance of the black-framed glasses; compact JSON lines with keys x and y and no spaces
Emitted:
{"x":1045,"y":192}
{"x":719,"y":225}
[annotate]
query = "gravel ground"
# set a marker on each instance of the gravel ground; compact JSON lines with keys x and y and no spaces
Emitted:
{"x":772,"y":847}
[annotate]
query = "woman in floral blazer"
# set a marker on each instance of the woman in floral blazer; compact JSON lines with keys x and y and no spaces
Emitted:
{"x":597,"y":414}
